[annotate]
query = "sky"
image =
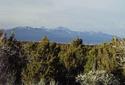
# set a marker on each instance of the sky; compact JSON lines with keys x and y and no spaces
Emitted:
{"x":81,"y":15}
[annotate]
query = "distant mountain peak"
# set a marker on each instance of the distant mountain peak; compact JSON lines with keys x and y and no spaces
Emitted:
{"x":59,"y":34}
{"x":62,"y":28}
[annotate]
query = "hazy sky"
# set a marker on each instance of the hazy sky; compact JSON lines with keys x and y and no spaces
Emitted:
{"x":82,"y":15}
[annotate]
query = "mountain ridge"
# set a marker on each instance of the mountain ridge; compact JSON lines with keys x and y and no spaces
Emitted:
{"x":59,"y":34}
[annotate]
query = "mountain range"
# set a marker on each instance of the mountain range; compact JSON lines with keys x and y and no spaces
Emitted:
{"x":59,"y":34}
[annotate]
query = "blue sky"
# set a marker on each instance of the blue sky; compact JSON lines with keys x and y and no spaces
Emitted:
{"x":82,"y":15}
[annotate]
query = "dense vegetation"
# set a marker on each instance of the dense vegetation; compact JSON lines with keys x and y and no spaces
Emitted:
{"x":50,"y":63}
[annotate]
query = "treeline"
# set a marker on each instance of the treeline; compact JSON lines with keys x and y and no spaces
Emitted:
{"x":50,"y":63}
